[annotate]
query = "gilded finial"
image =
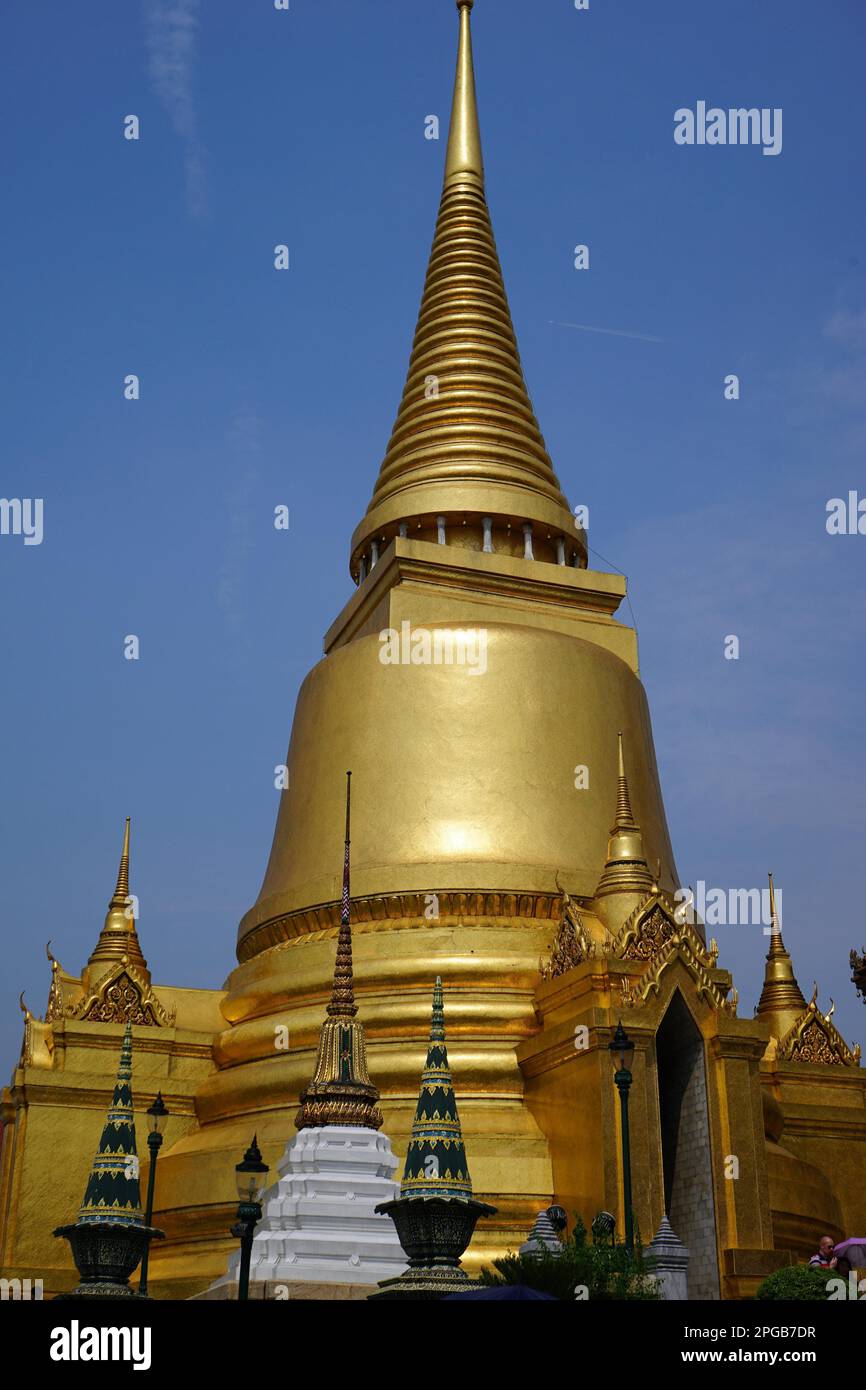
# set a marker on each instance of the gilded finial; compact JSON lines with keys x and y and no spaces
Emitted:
{"x":464,"y":160}
{"x":781,"y":998}
{"x":626,"y":869}
{"x":118,"y":939}
{"x":121,"y":892}
{"x":777,"y":945}
{"x":624,"y":817}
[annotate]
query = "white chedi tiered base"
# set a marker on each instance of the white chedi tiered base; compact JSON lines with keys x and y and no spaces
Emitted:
{"x":318,"y":1220}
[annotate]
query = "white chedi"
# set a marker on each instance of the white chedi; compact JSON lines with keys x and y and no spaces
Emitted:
{"x":318,"y":1220}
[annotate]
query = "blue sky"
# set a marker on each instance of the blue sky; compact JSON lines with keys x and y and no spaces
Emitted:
{"x":258,"y":388}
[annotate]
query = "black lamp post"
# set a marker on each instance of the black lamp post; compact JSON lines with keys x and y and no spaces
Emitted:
{"x":251,"y":1175}
{"x":157,"y":1116}
{"x":622,"y":1054}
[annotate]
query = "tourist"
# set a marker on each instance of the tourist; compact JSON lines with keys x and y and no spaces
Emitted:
{"x":824,"y":1258}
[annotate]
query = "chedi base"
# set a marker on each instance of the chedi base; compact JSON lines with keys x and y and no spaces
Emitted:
{"x":319,"y":1220}
{"x":434,"y":1232}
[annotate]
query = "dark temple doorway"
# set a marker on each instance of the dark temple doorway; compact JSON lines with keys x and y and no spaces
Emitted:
{"x":686,"y":1149}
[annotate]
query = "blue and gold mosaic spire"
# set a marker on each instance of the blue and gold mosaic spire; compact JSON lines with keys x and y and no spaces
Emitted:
{"x":436,"y":1158}
{"x":113,"y":1192}
{"x":341,"y":1092}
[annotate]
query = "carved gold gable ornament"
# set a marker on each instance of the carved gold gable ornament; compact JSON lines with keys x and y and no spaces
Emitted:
{"x":653,"y":936}
{"x":684,"y":945}
{"x":573,"y":944}
{"x":122,"y":996}
{"x":650,"y":928}
{"x":646,"y":933}
{"x":571,"y":947}
{"x":55,"y":1007}
{"x":814,"y":1038}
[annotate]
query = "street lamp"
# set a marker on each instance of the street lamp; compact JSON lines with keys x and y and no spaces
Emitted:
{"x":157,"y":1116}
{"x":621,"y":1050}
{"x":251,"y":1175}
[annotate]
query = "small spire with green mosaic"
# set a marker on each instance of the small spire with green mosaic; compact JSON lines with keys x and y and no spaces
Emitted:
{"x":436,"y":1158}
{"x":113,"y":1192}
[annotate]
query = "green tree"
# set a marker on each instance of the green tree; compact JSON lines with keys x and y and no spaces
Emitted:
{"x":602,"y":1266}
{"x":797,"y":1282}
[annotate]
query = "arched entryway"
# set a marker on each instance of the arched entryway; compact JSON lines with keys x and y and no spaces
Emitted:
{"x":686,"y":1149}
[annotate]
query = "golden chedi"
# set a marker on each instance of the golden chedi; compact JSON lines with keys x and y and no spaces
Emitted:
{"x":473,"y":829}
{"x":466,"y":801}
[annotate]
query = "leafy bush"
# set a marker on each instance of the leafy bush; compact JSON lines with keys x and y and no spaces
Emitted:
{"x":798,"y":1282}
{"x":604,"y":1267}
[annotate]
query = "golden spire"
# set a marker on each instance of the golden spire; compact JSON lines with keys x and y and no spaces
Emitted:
{"x":341,"y":1092}
{"x":624,"y":818}
{"x":626,"y":869}
{"x":118,"y":939}
{"x":781,"y":1000}
{"x":464,"y":159}
{"x":466,"y":446}
{"x":121,"y":892}
{"x":777,"y":945}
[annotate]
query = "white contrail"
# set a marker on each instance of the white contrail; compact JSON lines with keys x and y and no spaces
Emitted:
{"x":611,"y":332}
{"x":172,"y":31}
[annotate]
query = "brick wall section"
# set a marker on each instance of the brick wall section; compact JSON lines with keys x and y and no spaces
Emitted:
{"x":686,"y":1147}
